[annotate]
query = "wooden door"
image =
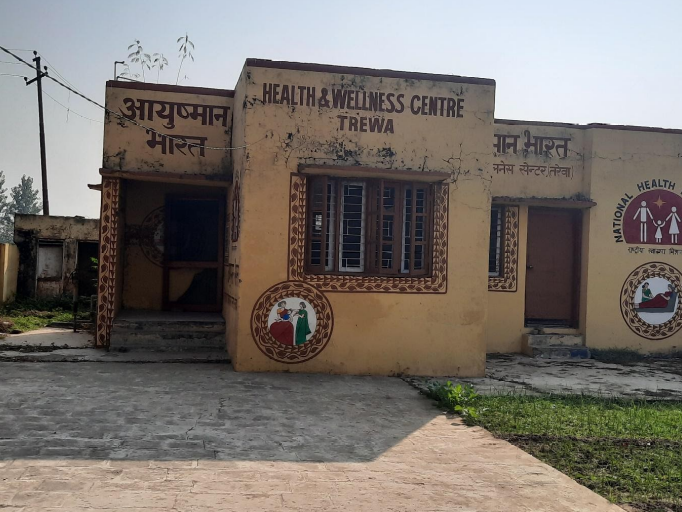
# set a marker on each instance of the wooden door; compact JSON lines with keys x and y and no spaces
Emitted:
{"x":193,"y":256}
{"x":553,"y":267}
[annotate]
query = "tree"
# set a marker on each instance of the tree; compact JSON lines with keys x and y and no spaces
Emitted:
{"x":159,"y":63}
{"x":25,"y":197}
{"x":139,"y":57}
{"x":6,"y":224}
{"x":146,"y":61}
{"x":183,"y":52}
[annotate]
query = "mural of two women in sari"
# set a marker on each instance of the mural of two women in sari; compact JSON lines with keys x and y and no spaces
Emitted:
{"x":292,"y":326}
{"x":656,"y":300}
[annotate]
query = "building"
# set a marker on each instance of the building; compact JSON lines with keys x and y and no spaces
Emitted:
{"x":57,"y":256}
{"x":329,"y":219}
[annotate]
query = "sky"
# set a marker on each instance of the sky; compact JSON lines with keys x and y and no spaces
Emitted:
{"x":607,"y":61}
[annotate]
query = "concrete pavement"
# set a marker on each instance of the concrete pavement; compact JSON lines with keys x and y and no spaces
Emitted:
{"x":200,"y":437}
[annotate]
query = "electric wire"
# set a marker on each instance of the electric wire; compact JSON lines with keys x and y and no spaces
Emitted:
{"x":71,"y":110}
{"x":11,"y":74}
{"x":126,"y":119}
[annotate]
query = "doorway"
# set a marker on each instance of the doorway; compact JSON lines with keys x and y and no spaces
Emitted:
{"x":86,"y":268}
{"x":553,"y":267}
{"x":193,"y":255}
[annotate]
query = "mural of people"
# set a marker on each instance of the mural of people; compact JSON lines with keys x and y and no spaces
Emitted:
{"x":660,"y":301}
{"x":644,"y":215}
{"x":674,"y":229}
{"x":656,"y":300}
{"x":282,"y":329}
{"x":655,"y":210}
{"x":292,"y":326}
{"x":659,"y":232}
{"x":302,"y":326}
{"x":646,"y":292}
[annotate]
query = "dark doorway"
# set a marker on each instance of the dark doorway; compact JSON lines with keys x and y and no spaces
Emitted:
{"x":193,"y":256}
{"x":86,"y":268}
{"x":553,"y":267}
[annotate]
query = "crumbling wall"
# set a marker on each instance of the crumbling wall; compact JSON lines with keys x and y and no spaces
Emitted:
{"x":29,"y":231}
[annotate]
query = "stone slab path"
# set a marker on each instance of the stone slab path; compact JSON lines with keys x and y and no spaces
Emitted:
{"x":199,"y":437}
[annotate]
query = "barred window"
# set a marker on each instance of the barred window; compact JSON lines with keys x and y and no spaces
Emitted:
{"x":369,"y":227}
{"x":495,"y":253}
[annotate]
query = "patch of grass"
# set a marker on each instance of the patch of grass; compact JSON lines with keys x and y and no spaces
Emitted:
{"x":629,"y":451}
{"x":629,"y":356}
{"x":31,"y":314}
{"x":617,"y":355}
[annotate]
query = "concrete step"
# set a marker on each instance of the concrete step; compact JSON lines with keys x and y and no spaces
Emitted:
{"x":555,"y":346}
{"x":159,"y":331}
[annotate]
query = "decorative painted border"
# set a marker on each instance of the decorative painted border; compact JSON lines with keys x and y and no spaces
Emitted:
{"x":108,"y":259}
{"x":299,"y":353}
{"x":627,"y":299}
{"x":510,"y":253}
{"x":436,"y":283}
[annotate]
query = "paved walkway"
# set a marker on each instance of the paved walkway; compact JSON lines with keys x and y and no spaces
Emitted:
{"x":200,"y":437}
{"x":656,"y":378}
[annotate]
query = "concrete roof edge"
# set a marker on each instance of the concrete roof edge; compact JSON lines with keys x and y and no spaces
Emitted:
{"x":382,"y":73}
{"x":79,"y":217}
{"x":590,"y":126}
{"x":208,"y":91}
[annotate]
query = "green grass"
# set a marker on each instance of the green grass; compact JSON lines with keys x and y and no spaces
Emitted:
{"x":31,"y":314}
{"x":629,"y":451}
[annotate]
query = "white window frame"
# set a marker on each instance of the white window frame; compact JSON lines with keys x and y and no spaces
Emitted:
{"x":363,"y":220}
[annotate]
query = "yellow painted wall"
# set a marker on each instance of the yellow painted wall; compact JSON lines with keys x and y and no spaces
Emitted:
{"x":620,"y":160}
{"x":519,"y":172}
{"x":505,"y":322}
{"x":9,"y":263}
{"x":374,"y":333}
{"x":609,"y":163}
{"x":176,"y":112}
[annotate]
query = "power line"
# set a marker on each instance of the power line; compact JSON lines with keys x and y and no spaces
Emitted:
{"x":55,"y":70}
{"x":10,"y":74}
{"x":69,"y":109}
{"x":124,"y":118}
{"x":9,"y":62}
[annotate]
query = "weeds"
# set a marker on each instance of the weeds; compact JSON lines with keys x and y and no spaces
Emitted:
{"x":31,"y":314}
{"x":456,"y":399}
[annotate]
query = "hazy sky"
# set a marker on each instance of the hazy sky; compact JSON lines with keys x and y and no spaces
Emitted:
{"x":610,"y":61}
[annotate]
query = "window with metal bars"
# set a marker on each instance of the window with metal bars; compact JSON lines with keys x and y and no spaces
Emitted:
{"x":495,"y":252}
{"x":369,"y":227}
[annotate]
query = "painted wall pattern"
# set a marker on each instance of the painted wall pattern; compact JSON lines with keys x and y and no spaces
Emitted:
{"x":292,"y":322}
{"x":108,"y":259}
{"x":436,"y":283}
{"x":510,"y":253}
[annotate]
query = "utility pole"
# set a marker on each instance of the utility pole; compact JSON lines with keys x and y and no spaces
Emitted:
{"x":43,"y":160}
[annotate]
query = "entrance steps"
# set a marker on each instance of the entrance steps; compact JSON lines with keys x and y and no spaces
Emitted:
{"x":167,"y":331}
{"x":555,"y":346}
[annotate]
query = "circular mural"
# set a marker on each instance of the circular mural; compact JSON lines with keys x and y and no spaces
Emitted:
{"x":649,"y":300}
{"x":151,"y":236}
{"x":292,"y":322}
{"x":653,"y":217}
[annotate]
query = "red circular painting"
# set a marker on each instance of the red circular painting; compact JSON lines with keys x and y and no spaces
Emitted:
{"x":292,"y":322}
{"x":653,"y":217}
